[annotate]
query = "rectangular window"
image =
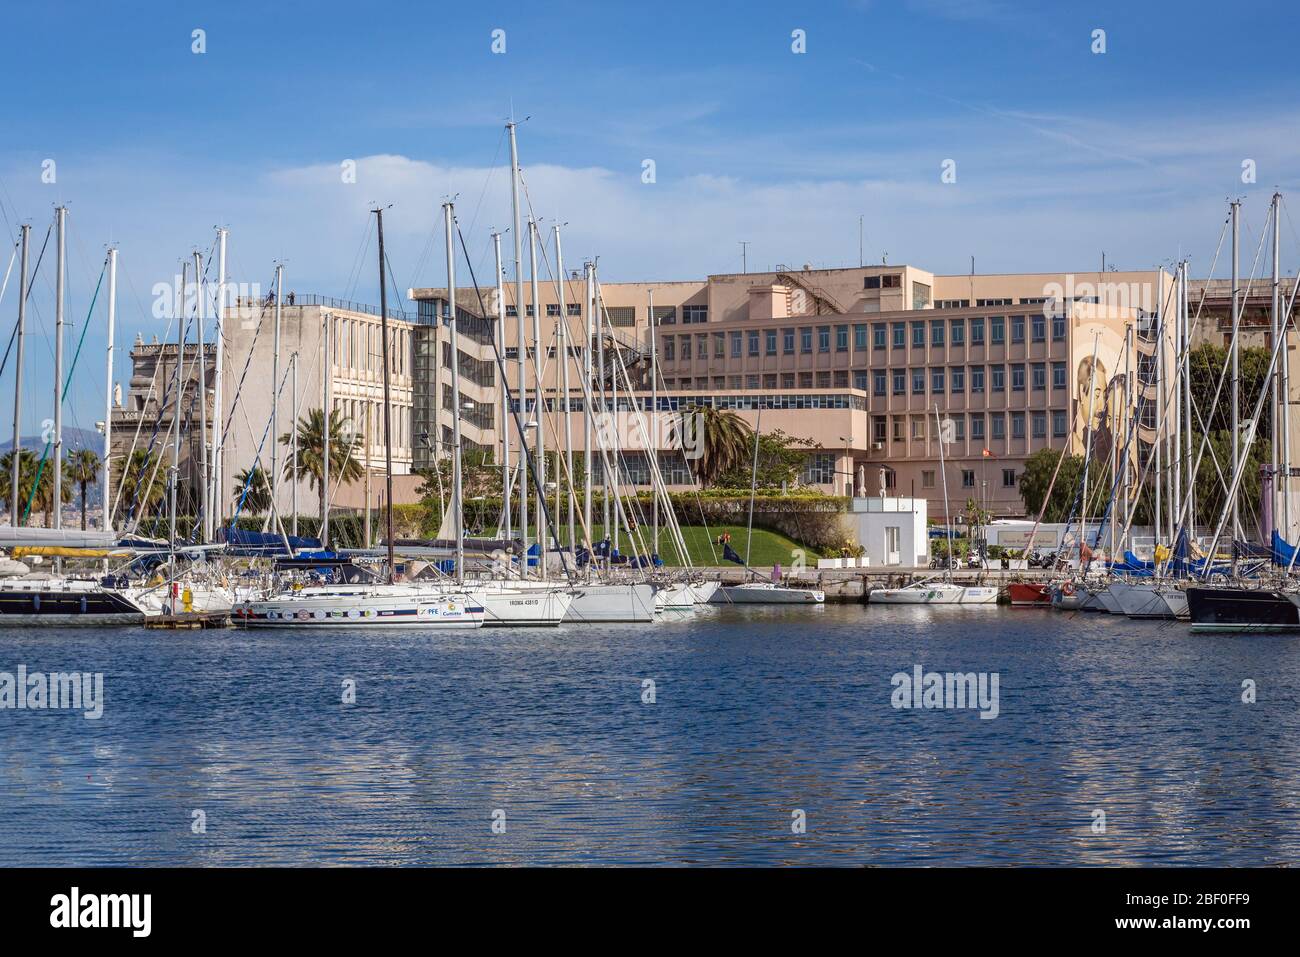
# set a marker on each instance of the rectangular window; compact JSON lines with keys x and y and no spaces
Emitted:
{"x":841,"y":378}
{"x":1039,"y":380}
{"x":891,"y":282}
{"x":1008,"y":478}
{"x":878,"y":429}
{"x":936,"y":382}
{"x":918,"y":335}
{"x":918,"y":382}
{"x":823,"y":338}
{"x":1058,"y":423}
{"x":977,"y":378}
{"x":1040,"y":425}
{"x":878,"y":378}
{"x":977,"y":427}
{"x":695,"y":314}
{"x":879,"y":336}
{"x":769,"y":342}
{"x":936,"y":333}
{"x":1017,"y":425}
{"x":805,"y":339}
{"x":1017,"y":330}
{"x":664,"y":315}
{"x":998,"y":374}
{"x":702,"y":346}
{"x":769,"y":380}
{"x":977,"y":332}
{"x":967,"y":478}
{"x":1018,"y":378}
{"x":1058,"y":328}
{"x":1038,"y":327}
{"x":900,"y":335}
{"x":927,"y":478}
{"x":841,"y":338}
{"x":787,"y":341}
{"x":958,"y":428}
{"x":823,"y":380}
{"x":753,"y":342}
{"x":751,"y":382}
{"x":737,"y":345}
{"x":1058,"y":375}
{"x":999,"y":426}
{"x":957,"y":379}
{"x":686,"y":347}
{"x":617,"y":315}
{"x":719,"y":345}
{"x":898,"y":428}
{"x":918,"y":427}
{"x":805,"y":380}
{"x":868,"y":282}
{"x":900,"y":382}
{"x":552,"y":312}
{"x":670,"y":349}
{"x":787,"y":380}
{"x":958,"y":334}
{"x":997,"y":330}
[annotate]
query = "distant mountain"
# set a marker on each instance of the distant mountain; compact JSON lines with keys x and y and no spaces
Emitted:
{"x":72,"y":439}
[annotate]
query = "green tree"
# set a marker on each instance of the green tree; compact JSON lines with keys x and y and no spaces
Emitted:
{"x":258,"y":499}
{"x":144,"y":484}
{"x":780,"y":459}
{"x":28,"y":463}
{"x":1036,"y":477}
{"x":346,"y":446}
{"x":717,"y":441}
{"x":83,"y":469}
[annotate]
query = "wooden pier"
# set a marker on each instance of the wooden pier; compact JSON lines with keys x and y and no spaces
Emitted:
{"x":189,"y":621}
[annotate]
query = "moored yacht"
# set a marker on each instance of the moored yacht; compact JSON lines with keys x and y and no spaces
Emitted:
{"x":935,"y":593}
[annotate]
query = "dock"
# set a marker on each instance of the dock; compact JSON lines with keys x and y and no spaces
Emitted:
{"x":190,"y":621}
{"x":855,"y":584}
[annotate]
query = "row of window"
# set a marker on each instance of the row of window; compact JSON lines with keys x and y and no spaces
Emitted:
{"x":957,"y":379}
{"x":955,"y":426}
{"x":939,"y":333}
{"x":671,"y":403}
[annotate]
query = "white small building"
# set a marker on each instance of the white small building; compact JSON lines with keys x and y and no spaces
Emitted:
{"x":892,"y":530}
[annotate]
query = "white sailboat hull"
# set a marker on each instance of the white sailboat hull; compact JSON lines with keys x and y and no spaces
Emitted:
{"x":507,"y":606}
{"x":362,"y":606}
{"x":765,"y":593}
{"x":1108,"y":600}
{"x":674,"y":596}
{"x":702,"y":592}
{"x":612,"y":602}
{"x":935,"y":594}
{"x":1140,"y":599}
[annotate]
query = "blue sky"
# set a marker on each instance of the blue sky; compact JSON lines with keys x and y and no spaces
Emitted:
{"x":1060,"y":153}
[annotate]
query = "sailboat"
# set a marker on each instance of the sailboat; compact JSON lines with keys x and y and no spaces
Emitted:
{"x":929,"y":591}
{"x":382,"y":603}
{"x":760,"y":592}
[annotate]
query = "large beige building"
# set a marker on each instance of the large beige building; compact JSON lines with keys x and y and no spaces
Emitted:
{"x":858,"y":361}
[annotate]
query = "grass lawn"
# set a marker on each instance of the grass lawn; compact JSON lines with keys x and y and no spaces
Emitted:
{"x":767,"y":548}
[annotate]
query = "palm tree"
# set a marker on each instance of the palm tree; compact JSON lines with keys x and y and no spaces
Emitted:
{"x":345,"y":448}
{"x":715,"y":440}
{"x":44,"y":497}
{"x":83,"y":469}
{"x":258,"y":499}
{"x":142,"y":487}
{"x":27,"y":465}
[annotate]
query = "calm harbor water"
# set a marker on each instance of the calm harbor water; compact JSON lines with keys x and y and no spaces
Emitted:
{"x":757,"y":713}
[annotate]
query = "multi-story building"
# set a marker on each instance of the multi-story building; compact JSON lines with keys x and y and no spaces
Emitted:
{"x":872,"y":365}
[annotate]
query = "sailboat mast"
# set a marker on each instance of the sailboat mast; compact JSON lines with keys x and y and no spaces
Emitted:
{"x":61,"y":215}
{"x":215,"y":496}
{"x":1282,"y":482}
{"x":539,"y":443}
{"x":588,"y":411}
{"x":600,"y":372}
{"x":327,"y":410}
{"x":457,"y":497}
{"x":1236,"y":374}
{"x":1087,"y":455}
{"x":293,"y":441}
{"x":504,"y":390}
{"x":753,"y":486}
{"x":205,"y":530}
{"x":943,"y":477}
{"x":653,"y":451}
{"x":523,"y":344}
{"x":565,"y":355}
{"x":388,"y":415}
{"x":177,"y":389}
{"x":274,"y":478}
{"x":21,"y":336}
{"x":104,"y":471}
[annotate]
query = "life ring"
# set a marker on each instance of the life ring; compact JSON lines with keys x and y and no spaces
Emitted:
{"x":1067,"y":588}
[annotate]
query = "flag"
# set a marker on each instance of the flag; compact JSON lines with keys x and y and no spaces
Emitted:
{"x":730,"y":555}
{"x":989,"y":455}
